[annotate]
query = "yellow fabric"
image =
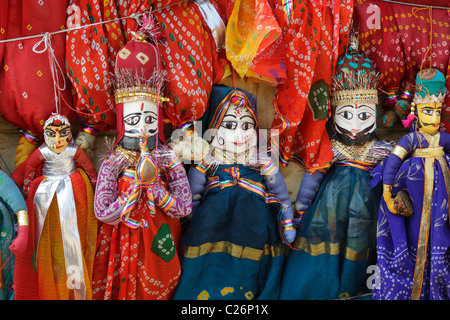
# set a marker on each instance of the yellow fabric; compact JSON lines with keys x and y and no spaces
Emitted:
{"x":23,"y":150}
{"x":251,"y":29}
{"x":50,"y":262}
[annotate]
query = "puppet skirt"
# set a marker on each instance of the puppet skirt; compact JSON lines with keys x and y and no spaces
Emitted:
{"x":336,"y":240}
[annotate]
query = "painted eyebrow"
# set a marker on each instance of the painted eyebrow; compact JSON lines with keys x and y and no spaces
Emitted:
{"x":248,"y":116}
{"x":346,"y":106}
{"x":133,"y":114}
{"x":229,"y":115}
{"x":149,"y":112}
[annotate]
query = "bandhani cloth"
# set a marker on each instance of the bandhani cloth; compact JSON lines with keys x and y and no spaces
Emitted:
{"x":42,"y":272}
{"x":26,"y":83}
{"x":254,"y":43}
{"x":412,"y":252}
{"x":90,"y":56}
{"x":315,"y":37}
{"x":189,"y":54}
{"x":11,"y":201}
{"x":397,"y":38}
{"x":138,"y":263}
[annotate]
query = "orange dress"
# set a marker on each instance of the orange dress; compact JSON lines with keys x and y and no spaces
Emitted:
{"x":42,"y":272}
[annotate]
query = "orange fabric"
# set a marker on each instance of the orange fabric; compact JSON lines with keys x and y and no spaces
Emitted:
{"x":126,"y":266}
{"x":51,"y":282}
{"x":314,"y":40}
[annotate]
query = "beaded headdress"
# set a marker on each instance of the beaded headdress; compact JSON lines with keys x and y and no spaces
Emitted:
{"x":139,"y":74}
{"x":430,"y":86}
{"x":355,"y":79}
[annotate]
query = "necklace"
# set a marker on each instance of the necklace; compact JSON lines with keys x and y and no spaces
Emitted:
{"x":226,"y":157}
{"x":351,"y":152}
{"x":130,"y":155}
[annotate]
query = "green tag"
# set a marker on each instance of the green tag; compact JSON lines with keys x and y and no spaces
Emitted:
{"x":163,"y":244}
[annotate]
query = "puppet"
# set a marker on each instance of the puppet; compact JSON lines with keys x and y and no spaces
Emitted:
{"x":413,"y":228}
{"x":59,"y":178}
{"x":143,"y":189}
{"x":11,"y":241}
{"x":336,"y":236}
{"x":233,"y":248}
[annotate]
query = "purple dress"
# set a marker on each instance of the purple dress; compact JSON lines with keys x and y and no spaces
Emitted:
{"x":413,"y":253}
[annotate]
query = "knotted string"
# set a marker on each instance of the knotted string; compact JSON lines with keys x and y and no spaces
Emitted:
{"x":58,"y":75}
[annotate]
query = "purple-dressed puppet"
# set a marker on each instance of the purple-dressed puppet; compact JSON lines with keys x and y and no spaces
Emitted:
{"x":142,"y":189}
{"x":413,"y":238}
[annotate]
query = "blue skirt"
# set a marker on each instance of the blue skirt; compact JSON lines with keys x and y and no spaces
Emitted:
{"x":232,"y":248}
{"x":336,"y":240}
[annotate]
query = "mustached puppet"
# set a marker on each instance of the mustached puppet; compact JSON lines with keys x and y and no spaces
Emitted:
{"x":143,"y":188}
{"x":233,"y":248}
{"x":59,"y":178}
{"x":336,"y":236}
{"x":414,"y":240}
{"x":13,"y":209}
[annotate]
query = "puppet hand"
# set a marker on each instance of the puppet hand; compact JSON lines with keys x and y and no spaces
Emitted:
{"x":19,"y":244}
{"x":289,"y":231}
{"x":289,"y":236}
{"x":387,"y":196}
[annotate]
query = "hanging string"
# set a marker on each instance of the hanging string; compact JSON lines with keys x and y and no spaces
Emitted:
{"x":135,"y":16}
{"x":57,"y":72}
{"x":430,"y":46}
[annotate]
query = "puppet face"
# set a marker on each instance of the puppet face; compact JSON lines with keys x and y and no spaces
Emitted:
{"x":57,"y":136}
{"x":429,"y":115}
{"x":355,"y":124}
{"x":237,"y":133}
{"x":140,"y":119}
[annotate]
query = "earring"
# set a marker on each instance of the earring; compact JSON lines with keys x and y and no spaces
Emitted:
{"x":411,"y":116}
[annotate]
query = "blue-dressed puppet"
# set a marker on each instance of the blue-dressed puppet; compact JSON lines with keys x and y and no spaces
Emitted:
{"x":413,"y":244}
{"x":336,"y":238}
{"x":233,"y":248}
{"x":13,"y":210}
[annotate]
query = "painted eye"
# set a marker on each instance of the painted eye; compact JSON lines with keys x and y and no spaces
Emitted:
{"x":347,"y":115}
{"x":132,"y":120}
{"x":150,"y":119}
{"x":438,"y":113}
{"x":231,"y":125}
{"x":64,"y":132}
{"x":427,"y":112}
{"x":364,"y":115}
{"x":50,"y":133}
{"x":247,"y":126}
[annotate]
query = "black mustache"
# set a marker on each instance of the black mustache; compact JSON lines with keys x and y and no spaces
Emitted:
{"x":361,"y":133}
{"x":152,"y":131}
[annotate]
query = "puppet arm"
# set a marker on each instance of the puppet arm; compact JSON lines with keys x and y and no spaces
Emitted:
{"x":177,"y":201}
{"x":11,"y":195}
{"x":307,"y":192}
{"x":197,"y":182}
{"x":108,"y":203}
{"x":84,"y":162}
{"x":393,"y":163}
{"x":33,"y":161}
{"x":276,"y":185}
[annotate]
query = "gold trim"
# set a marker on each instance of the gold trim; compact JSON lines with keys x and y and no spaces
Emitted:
{"x":331,"y":249}
{"x":428,"y":152}
{"x":131,"y":155}
{"x":400,"y":152}
{"x":233,"y":250}
{"x":138,"y":93}
{"x":422,"y":242}
{"x":345,"y":97}
{"x":22,"y":218}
